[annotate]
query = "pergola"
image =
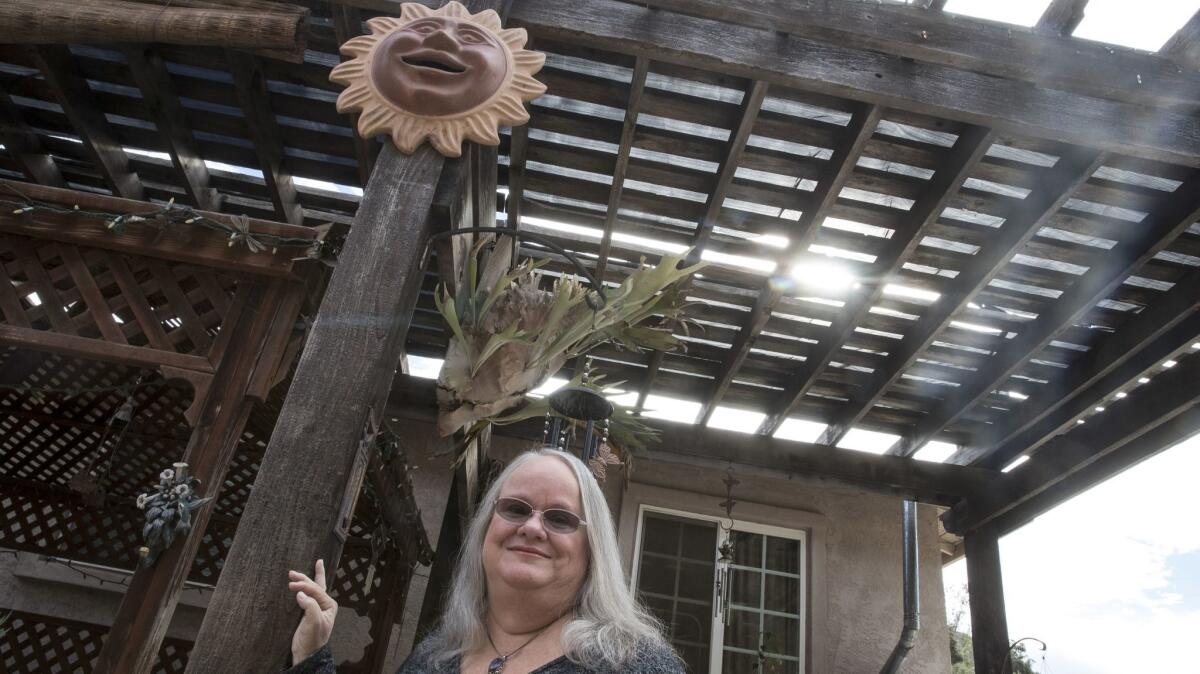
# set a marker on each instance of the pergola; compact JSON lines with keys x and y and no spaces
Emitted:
{"x":995,"y":230}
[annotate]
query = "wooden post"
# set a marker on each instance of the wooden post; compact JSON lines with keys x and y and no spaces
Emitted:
{"x":141,"y":622}
{"x":344,"y":372}
{"x":989,"y":626}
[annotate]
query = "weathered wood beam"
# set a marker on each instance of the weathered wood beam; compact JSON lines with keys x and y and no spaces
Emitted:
{"x":518,"y":150}
{"x":162,"y":103}
{"x":841,"y":164}
{"x":1184,"y":45}
{"x":1166,"y":328}
{"x":80,"y":106}
{"x":1176,"y":213}
{"x":928,"y":482}
{"x":191,"y":244}
{"x":1169,"y":394}
{"x":25,"y":147}
{"x":308,"y":468}
{"x":347,"y":24}
{"x":95,"y":349}
{"x":957,"y":164}
{"x":1039,"y":205}
{"x":115,"y":21}
{"x":1009,"y":106}
{"x":637,"y":85}
{"x":1132,"y":453}
{"x":985,"y":589}
{"x":147,"y":606}
{"x":251,"y":85}
{"x":1061,"y":17}
{"x":988,"y":47}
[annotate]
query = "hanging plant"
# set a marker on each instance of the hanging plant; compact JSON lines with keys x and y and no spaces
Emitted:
{"x":508,"y":335}
{"x":168,"y":511}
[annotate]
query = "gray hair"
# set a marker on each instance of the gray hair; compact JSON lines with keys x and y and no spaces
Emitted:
{"x":609,"y":626}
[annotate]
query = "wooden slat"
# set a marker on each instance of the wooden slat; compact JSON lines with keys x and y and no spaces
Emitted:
{"x":52,"y":304}
{"x":10,"y":301}
{"x":992,"y":48}
{"x":1180,"y":210}
{"x":1008,"y":106}
{"x":180,"y":305}
{"x":88,"y":290}
{"x":80,"y":106}
{"x":517,"y":157}
{"x":24,"y":146}
{"x":143,"y":313}
{"x":959,"y":161}
{"x":162,"y":103}
{"x":841,"y":165}
{"x":347,"y":24}
{"x":53,"y":342}
{"x":1184,"y":45}
{"x":251,"y":86}
{"x":636,"y":86}
{"x":975,"y":275}
{"x":1167,"y":327}
{"x":1061,"y":17}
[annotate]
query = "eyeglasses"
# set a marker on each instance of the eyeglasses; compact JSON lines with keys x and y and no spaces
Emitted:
{"x":555,"y":520}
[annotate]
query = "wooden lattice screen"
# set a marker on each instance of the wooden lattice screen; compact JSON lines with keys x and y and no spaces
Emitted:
{"x":34,"y":644}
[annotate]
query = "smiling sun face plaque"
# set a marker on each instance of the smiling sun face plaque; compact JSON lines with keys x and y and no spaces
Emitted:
{"x":444,"y":74}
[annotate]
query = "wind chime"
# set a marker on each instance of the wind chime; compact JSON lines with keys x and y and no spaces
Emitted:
{"x":725,"y":549}
{"x":575,"y":406}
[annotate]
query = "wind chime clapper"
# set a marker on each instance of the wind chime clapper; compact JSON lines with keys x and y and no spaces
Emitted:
{"x":580,"y":404}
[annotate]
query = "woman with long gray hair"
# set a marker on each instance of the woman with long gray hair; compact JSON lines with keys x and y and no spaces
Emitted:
{"x":538,"y":588}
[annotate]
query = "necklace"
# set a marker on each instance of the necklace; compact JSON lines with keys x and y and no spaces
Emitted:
{"x":497,"y":664}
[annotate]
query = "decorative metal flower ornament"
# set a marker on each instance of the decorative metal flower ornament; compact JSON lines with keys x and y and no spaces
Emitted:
{"x":443,"y":74}
{"x":168,"y":511}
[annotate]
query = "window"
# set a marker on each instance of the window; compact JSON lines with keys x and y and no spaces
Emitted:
{"x":748,"y":618}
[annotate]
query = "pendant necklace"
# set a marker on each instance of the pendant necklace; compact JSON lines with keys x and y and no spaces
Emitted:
{"x":497,"y":664}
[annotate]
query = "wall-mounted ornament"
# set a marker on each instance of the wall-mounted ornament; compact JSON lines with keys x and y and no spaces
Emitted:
{"x":443,"y":74}
{"x":168,"y":511}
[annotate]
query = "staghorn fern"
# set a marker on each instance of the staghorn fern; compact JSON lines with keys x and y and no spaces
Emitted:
{"x":508,"y":336}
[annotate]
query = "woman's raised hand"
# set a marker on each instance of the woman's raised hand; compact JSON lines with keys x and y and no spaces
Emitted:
{"x":319,"y":612}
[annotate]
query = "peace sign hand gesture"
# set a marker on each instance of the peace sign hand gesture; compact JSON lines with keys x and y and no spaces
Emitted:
{"x":319,"y":612}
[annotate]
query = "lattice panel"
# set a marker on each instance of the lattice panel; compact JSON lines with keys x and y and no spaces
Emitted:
{"x":36,"y":644}
{"x":124,"y":299}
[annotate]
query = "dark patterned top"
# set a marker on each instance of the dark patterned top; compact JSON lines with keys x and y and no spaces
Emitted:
{"x":649,"y":660}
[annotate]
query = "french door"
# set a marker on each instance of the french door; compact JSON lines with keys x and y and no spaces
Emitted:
{"x":746,"y":616}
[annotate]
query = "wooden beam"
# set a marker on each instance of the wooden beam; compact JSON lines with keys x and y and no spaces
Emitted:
{"x":637,"y":85}
{"x":517,"y":151}
{"x":928,"y":482}
{"x":95,"y":349}
{"x":1161,"y":331}
{"x":985,"y":589}
{"x":1176,"y":213}
{"x":992,"y":48}
{"x":162,"y":103}
{"x":308,"y":468}
{"x":183,"y":243}
{"x":1168,"y":395}
{"x":251,"y":85}
{"x":115,"y":21}
{"x":146,"y":608}
{"x":1061,"y":17}
{"x":1051,"y":192}
{"x":841,"y":164}
{"x":24,"y":146}
{"x":73,"y":93}
{"x":1184,"y":45}
{"x":347,"y":24}
{"x":1009,"y":106}
{"x":957,"y":164}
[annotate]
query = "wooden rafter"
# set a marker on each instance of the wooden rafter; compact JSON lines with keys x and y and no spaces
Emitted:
{"x":24,"y":146}
{"x":251,"y":85}
{"x":1184,"y":45}
{"x":1166,"y":328}
{"x":1061,"y":17}
{"x":162,"y":103}
{"x":1156,"y":231}
{"x":838,"y":69}
{"x":1168,"y":395}
{"x":81,"y":108}
{"x":1037,"y":207}
{"x":347,"y":24}
{"x":841,"y":164}
{"x":958,"y":163}
{"x":517,"y":156}
{"x":629,"y":126}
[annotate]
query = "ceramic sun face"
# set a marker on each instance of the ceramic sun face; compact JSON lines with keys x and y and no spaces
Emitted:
{"x":444,"y":74}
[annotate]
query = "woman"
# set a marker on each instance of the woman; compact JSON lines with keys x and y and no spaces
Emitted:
{"x":538,"y":588}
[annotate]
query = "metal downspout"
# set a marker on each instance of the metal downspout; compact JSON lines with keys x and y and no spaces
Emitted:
{"x":912,"y":601}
